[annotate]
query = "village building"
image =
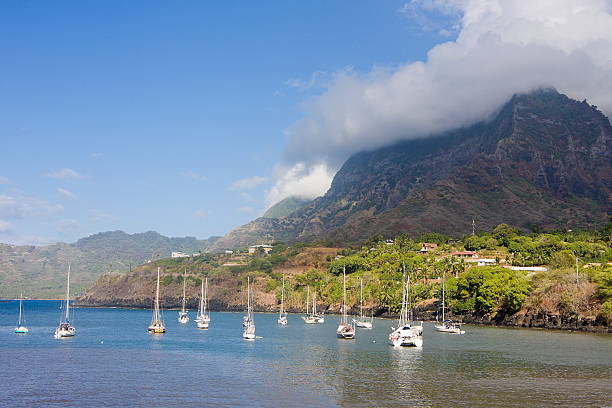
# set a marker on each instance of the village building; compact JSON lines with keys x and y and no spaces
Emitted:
{"x":254,"y":248}
{"x":428,"y":247}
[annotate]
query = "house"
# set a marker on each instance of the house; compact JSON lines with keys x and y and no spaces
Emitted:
{"x":254,"y":248}
{"x":229,"y":252}
{"x":428,"y":247}
{"x":466,"y":254}
{"x":179,"y":255}
{"x":485,"y":262}
{"x":389,"y":242}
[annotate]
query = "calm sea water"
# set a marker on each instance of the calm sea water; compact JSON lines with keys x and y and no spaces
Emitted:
{"x":113,"y":361}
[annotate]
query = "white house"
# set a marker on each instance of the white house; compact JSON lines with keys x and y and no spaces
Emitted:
{"x":179,"y":255}
{"x":254,"y":248}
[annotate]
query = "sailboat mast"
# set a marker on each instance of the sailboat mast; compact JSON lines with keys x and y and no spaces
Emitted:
{"x":156,"y":313}
{"x":205,"y":296}
{"x":202,"y":300}
{"x":314,"y":303}
{"x":20,"y":300}
{"x":68,"y":294}
{"x":443,"y":281}
{"x":282,"y":297}
{"x":307,"y":300}
{"x":361,"y":301}
{"x":184,"y":283}
{"x":344,"y":295}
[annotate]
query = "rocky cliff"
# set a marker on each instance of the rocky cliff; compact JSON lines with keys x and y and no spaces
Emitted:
{"x":543,"y":161}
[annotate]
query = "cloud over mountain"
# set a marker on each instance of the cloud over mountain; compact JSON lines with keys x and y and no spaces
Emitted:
{"x":502,"y":48}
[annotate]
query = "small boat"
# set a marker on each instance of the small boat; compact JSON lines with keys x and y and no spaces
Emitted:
{"x":203,"y":319}
{"x":447,"y":326}
{"x":21,"y":329}
{"x":249,"y":322}
{"x":363,"y":321}
{"x":282,"y":314}
{"x":309,"y":318}
{"x":345,"y":330}
{"x":406,"y":334}
{"x":157,"y":325}
{"x":65,"y":329}
{"x":183,"y":316}
{"x":318,"y":317}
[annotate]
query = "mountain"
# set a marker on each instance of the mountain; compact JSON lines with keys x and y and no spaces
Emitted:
{"x":41,"y":271}
{"x":543,"y":161}
{"x":286,"y":207}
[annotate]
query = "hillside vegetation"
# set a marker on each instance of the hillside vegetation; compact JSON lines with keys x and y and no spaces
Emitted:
{"x":495,"y":292}
{"x":40,"y":272}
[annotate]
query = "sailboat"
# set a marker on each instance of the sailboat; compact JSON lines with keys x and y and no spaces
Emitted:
{"x":318,"y":317}
{"x":65,"y":329}
{"x":282,"y":314}
{"x":308,"y":318}
{"x":447,"y":326}
{"x":203,"y":319}
{"x":21,"y":329}
{"x":345,"y":330}
{"x":249,"y":323}
{"x":183,"y":316}
{"x":363,"y":321}
{"x":157,"y":324}
{"x":406,"y":334}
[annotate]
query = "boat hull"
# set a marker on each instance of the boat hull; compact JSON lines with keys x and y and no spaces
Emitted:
{"x":202,"y":325}
{"x":62,"y":333}
{"x":249,"y":332}
{"x":21,"y":330}
{"x":407,"y":337}
{"x":364,"y":324}
{"x":345,"y":331}
{"x":183,"y":318}
{"x":282,"y":321}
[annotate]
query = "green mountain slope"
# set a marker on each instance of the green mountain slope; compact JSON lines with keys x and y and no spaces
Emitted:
{"x":40,"y":272}
{"x":285,"y":207}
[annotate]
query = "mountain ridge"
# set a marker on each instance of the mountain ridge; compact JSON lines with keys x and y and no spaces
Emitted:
{"x":544,"y":161}
{"x":42,"y":269}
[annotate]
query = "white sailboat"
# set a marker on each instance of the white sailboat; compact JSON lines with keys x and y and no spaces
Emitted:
{"x":249,"y":322}
{"x":65,"y":329}
{"x":203,"y":319}
{"x":21,"y":329}
{"x":318,"y":317}
{"x":447,"y":326}
{"x":309,"y":317}
{"x":157,"y":325}
{"x":345,"y":330}
{"x":282,"y":314}
{"x":183,"y":316}
{"x":363,"y":321}
{"x":407,"y":334}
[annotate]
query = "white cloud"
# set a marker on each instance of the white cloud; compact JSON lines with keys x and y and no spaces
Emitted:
{"x":246,"y":196}
{"x":97,"y":215}
{"x":16,"y":207}
{"x":5,"y":227}
{"x":66,"y":193}
{"x":202,"y":214}
{"x":4,"y":180}
{"x":300,"y":180}
{"x":246,"y":209}
{"x":193,"y":175}
{"x":503,"y":47}
{"x":247,"y":183}
{"x":64,"y":174}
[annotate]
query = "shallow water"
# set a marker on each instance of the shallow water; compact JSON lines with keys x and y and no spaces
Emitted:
{"x":113,"y":361}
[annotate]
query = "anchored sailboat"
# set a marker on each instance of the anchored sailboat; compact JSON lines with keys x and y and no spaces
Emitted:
{"x":157,"y":324}
{"x":203,"y":319}
{"x":249,"y":322}
{"x":407,"y":334}
{"x":345,"y":330}
{"x":65,"y":329}
{"x":282,"y":314}
{"x":447,"y":326}
{"x":363,"y":321}
{"x":183,"y":316}
{"x":21,"y":329}
{"x":318,"y":317}
{"x":310,"y":317}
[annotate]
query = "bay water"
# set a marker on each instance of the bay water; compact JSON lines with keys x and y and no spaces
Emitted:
{"x":113,"y":361}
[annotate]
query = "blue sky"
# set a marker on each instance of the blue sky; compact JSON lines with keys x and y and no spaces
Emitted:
{"x":192,"y":117}
{"x":142,"y":115}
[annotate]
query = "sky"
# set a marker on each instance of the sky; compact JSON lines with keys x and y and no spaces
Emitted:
{"x":190,"y":118}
